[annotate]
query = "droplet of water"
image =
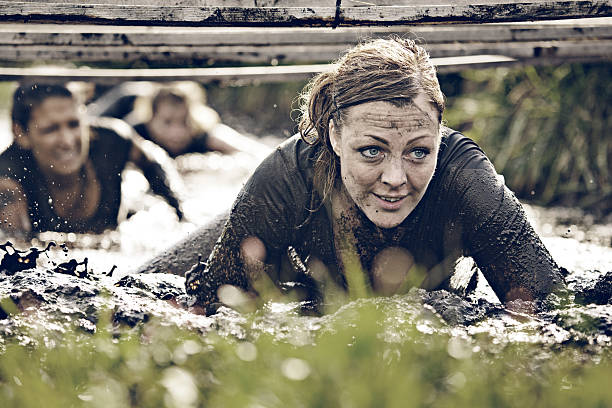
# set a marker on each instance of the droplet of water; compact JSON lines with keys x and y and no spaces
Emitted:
{"x":295,"y":369}
{"x":246,"y":351}
{"x":459,"y":348}
{"x":181,"y":386}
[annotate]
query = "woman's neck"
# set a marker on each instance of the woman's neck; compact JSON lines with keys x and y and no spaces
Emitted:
{"x":75,"y":196}
{"x":349,"y":218}
{"x":65,"y":182}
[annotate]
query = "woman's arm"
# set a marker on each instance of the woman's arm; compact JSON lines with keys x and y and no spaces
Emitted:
{"x":227,"y":140}
{"x":501,"y":240}
{"x":13,"y":208}
{"x":156,"y":172}
{"x":260,"y":227}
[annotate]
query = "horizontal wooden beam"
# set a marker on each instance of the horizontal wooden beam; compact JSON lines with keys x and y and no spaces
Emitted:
{"x":190,"y":45}
{"x":587,"y":49}
{"x":204,"y":75}
{"x":76,"y":34}
{"x":193,"y":13}
{"x":227,"y":75}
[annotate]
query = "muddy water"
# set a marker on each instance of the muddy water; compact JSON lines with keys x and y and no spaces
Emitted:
{"x":47,"y":301}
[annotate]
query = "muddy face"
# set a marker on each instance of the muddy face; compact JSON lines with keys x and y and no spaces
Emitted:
{"x":388,"y":156}
{"x":55,"y":136}
{"x":170,"y":127}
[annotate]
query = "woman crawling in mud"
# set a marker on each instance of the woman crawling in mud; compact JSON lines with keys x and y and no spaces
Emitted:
{"x":374,"y":181}
{"x":180,"y":123}
{"x":61,"y":174}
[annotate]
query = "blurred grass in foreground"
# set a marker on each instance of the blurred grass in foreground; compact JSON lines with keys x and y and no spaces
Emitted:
{"x":351,"y":365}
{"x":546,"y":129}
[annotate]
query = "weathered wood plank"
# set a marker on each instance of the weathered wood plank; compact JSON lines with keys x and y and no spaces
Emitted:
{"x":204,"y":75}
{"x":206,"y":3}
{"x":51,"y":34}
{"x":241,"y":74}
{"x":481,"y":12}
{"x":160,"y":15}
{"x":183,"y":54}
{"x":207,"y":55}
{"x":126,"y":44}
{"x":179,"y":14}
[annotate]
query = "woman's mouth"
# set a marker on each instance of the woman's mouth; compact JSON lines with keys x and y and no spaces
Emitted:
{"x":390,"y":203}
{"x":67,"y":156}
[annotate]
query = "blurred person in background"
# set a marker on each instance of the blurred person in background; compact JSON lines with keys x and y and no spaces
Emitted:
{"x":62,"y":172}
{"x":174,"y":116}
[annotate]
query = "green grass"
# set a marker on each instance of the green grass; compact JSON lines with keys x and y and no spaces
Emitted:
{"x":348,"y":364}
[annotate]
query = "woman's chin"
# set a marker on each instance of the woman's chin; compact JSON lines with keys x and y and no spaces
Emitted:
{"x":387,"y":220}
{"x":67,"y":168}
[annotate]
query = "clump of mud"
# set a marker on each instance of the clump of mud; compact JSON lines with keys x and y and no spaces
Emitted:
{"x":39,"y":301}
{"x":69,"y":295}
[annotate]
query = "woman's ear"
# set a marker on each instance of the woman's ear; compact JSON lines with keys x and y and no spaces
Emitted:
{"x":21,"y":137}
{"x":334,"y":137}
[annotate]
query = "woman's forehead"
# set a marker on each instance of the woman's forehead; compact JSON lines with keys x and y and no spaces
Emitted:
{"x":167,"y":108}
{"x":385,"y":115}
{"x":53,"y":106}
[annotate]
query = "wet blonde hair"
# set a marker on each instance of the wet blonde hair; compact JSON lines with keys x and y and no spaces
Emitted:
{"x":395,"y":70}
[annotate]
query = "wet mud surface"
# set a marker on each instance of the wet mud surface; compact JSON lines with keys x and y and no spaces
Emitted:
{"x":68,"y":282}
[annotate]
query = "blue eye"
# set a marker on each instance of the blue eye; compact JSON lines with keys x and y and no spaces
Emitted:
{"x":370,"y":152}
{"x":419,"y":154}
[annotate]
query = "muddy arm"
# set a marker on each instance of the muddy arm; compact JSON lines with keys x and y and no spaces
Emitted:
{"x":158,"y":171}
{"x":13,"y":208}
{"x":261,"y":226}
{"x":507,"y":250}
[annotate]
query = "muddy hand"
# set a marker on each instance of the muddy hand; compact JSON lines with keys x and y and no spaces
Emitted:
{"x":194,"y":278}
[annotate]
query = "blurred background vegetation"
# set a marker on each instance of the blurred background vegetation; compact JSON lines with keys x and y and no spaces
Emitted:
{"x":546,"y":129}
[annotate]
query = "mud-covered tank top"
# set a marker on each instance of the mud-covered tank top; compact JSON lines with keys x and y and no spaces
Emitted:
{"x":466,"y":211}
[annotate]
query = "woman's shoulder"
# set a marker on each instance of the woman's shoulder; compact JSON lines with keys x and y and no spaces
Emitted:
{"x":458,"y":151}
{"x":111,"y":134}
{"x":111,"y":128}
{"x":141,"y":129}
{"x":285,"y":172}
{"x":293,"y":154}
{"x":15,"y":162}
{"x":466,"y":177}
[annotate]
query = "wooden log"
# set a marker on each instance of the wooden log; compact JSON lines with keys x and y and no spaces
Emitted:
{"x":190,"y":45}
{"x":226,"y":75}
{"x":207,"y":55}
{"x":267,"y":74}
{"x":185,"y":13}
{"x":50,"y":34}
{"x":203,"y":75}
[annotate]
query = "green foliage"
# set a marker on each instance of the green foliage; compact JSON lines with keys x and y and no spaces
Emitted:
{"x":350,"y":364}
{"x":546,"y":129}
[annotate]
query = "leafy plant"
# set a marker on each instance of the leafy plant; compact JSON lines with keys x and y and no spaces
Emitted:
{"x":546,"y":129}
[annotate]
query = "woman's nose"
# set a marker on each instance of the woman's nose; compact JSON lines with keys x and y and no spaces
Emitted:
{"x":394,"y":174}
{"x":178,"y":131}
{"x":68,"y":137}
